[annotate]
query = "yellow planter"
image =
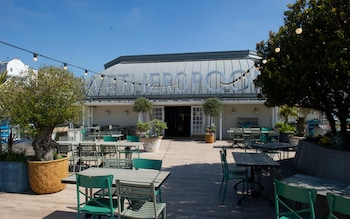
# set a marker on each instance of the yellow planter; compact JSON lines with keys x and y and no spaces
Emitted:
{"x":209,"y":138}
{"x":45,"y":176}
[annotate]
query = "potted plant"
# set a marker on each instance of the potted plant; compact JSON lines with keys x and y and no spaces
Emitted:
{"x":38,"y":103}
{"x":212,"y":107}
{"x":142,"y":106}
{"x":151,"y":133}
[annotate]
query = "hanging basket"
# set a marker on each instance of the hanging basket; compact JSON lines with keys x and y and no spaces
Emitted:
{"x":45,"y":176}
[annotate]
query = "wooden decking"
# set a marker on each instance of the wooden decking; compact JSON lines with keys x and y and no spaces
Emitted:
{"x":191,"y":191}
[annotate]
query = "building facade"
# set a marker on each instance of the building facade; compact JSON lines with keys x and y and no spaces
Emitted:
{"x":178,"y":85}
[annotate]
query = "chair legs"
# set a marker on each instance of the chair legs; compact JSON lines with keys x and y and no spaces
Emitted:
{"x":245,"y":187}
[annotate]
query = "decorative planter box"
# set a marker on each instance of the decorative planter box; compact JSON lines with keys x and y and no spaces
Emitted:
{"x":323,"y":162}
{"x":14,"y":177}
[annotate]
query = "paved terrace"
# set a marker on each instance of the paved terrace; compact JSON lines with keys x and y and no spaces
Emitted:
{"x":191,"y":191}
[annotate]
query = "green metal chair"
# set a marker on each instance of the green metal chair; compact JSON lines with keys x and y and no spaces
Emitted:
{"x":294,"y":202}
{"x":103,"y":204}
{"x":142,"y":163}
{"x":132,"y":138}
{"x":230,"y":175}
{"x":109,"y":138}
{"x":144,"y":204}
{"x":338,"y":203}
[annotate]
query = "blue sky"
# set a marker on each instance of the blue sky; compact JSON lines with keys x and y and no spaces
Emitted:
{"x":89,"y":33}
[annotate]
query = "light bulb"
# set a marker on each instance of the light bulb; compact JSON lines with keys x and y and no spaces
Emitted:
{"x":35,"y":57}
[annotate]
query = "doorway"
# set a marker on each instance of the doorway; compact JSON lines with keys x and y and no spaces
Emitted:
{"x":178,"y":119}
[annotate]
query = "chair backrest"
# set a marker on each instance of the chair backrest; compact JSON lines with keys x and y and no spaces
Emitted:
{"x":118,"y":163}
{"x":109,"y":138}
{"x":338,"y":203}
{"x":224,"y":164}
{"x":64,"y":148}
{"x":86,"y":149}
{"x":107,"y":149}
{"x":142,"y":163}
{"x":297,"y":194}
{"x":97,"y":204}
{"x":132,"y":138}
{"x":136,"y":191}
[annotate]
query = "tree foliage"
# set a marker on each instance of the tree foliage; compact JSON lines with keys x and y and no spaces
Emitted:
{"x":312,"y":69}
{"x":41,"y":101}
{"x":143,"y":105}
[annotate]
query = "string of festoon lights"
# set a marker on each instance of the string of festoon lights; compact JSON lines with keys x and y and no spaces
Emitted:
{"x":240,"y":77}
{"x":87,"y":71}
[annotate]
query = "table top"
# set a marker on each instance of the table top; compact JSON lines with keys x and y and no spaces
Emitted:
{"x":116,"y":143}
{"x":273,"y":145}
{"x":155,"y":176}
{"x":254,"y":160}
{"x":322,"y":185}
{"x":248,"y":131}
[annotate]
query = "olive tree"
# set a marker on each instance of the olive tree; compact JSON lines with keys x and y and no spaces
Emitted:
{"x":41,"y":101}
{"x":310,"y":69}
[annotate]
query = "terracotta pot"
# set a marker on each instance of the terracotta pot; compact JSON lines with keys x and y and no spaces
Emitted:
{"x":45,"y":176}
{"x":209,"y":138}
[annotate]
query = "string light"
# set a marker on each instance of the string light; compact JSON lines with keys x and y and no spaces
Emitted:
{"x":66,"y":64}
{"x":299,"y":28}
{"x":35,"y":57}
{"x":278,"y":48}
{"x":241,"y":77}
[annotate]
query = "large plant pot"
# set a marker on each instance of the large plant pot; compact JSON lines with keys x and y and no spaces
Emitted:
{"x":45,"y":176}
{"x":151,"y":144}
{"x":13,"y":177}
{"x":209,"y":138}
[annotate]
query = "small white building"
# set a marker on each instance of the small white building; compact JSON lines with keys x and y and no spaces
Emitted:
{"x":14,"y":67}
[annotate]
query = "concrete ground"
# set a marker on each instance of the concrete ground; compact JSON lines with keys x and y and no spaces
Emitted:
{"x":191,"y":191}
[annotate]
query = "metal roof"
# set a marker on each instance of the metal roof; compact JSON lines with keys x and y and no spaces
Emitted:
{"x":178,"y":57}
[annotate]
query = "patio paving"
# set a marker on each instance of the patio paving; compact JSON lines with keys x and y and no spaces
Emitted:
{"x":191,"y":191}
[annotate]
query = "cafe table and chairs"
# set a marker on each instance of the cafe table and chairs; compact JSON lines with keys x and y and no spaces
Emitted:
{"x":139,"y":176}
{"x":280,"y":148}
{"x":256,"y":162}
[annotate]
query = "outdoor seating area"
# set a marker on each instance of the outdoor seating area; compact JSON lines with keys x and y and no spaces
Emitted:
{"x":84,"y":154}
{"x":191,"y":177}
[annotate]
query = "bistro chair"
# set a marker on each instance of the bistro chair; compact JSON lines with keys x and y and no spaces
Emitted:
{"x":102,"y":204}
{"x":338,"y":203}
{"x":109,"y":138}
{"x":237,"y":137}
{"x":255,"y":135}
{"x":68,"y":150}
{"x":88,"y":153}
{"x":143,"y":163}
{"x":286,"y":198}
{"x":143,"y":204}
{"x":230,"y":175}
{"x":118,"y":163}
{"x":132,"y":138}
{"x":108,"y":151}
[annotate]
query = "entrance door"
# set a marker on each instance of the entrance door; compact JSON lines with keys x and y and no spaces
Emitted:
{"x":178,"y":119}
